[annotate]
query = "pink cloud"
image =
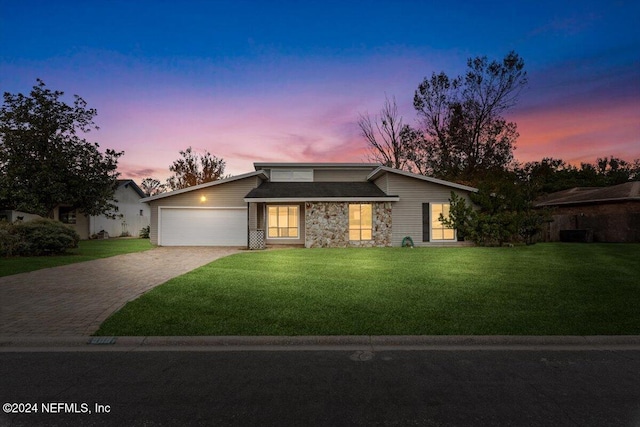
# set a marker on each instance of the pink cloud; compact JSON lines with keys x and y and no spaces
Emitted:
{"x":579,"y":133}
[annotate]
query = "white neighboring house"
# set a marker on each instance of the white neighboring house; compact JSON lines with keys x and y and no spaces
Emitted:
{"x":131,"y":217}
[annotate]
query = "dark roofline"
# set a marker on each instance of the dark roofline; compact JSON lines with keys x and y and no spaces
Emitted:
{"x":135,"y":186}
{"x":318,"y":191}
{"x":581,"y":195}
{"x":269,"y":165}
{"x":551,"y":203}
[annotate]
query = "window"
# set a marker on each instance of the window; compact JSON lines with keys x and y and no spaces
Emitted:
{"x":283,"y":222}
{"x":67,"y":215}
{"x":291,"y":175}
{"x":360,"y":222}
{"x":438,"y":230}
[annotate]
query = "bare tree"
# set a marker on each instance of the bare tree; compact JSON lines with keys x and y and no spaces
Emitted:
{"x":387,"y":137}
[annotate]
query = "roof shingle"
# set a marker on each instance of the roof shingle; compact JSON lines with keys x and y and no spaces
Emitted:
{"x":581,"y":195}
{"x":320,"y":190}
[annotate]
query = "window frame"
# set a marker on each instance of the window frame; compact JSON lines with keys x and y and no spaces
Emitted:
{"x":443,"y":227}
{"x":67,"y":215}
{"x":269,"y":227}
{"x":360,"y":228}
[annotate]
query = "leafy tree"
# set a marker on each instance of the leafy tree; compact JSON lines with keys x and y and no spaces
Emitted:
{"x":546,"y":176}
{"x":45,"y":162}
{"x":193,"y":169}
{"x":152,"y":186}
{"x":465,"y":136}
{"x":613,"y":170}
{"x":550,"y":175}
{"x":502,"y":212}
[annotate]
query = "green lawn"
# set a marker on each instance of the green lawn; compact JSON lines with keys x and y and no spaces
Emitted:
{"x":86,"y":251}
{"x":546,"y":289}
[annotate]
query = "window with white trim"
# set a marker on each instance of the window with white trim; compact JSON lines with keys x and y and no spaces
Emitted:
{"x":360,"y":221}
{"x":283,"y":222}
{"x":439,"y":231}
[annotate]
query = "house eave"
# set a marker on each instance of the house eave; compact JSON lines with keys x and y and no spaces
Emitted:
{"x":382,"y":169}
{"x":321,"y":199}
{"x":268,"y":165}
{"x":260,"y":173}
{"x":551,"y":204}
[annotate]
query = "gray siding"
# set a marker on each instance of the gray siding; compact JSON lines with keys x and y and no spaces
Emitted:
{"x":383,"y":184}
{"x":407,"y":213}
{"x":228,"y":195}
{"x":253,"y":216}
{"x":341,"y":175}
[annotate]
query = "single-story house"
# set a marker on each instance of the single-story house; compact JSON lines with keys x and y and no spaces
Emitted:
{"x":307,"y":204}
{"x":131,"y":217}
{"x":602,"y":214}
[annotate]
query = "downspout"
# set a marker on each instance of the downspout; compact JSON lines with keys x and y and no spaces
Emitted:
{"x":248,"y":222}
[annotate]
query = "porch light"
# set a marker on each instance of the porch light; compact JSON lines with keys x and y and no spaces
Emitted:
{"x":203,"y":199}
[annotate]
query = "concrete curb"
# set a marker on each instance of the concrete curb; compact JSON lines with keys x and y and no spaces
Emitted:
{"x":318,"y":343}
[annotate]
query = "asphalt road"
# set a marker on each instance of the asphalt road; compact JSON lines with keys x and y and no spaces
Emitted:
{"x":322,"y":388}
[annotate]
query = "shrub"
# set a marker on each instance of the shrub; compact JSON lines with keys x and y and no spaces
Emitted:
{"x":144,"y":232}
{"x":38,"y":237}
{"x":496,"y":221}
{"x":8,"y":240}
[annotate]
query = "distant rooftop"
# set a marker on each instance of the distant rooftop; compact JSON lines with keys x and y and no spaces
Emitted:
{"x":629,"y":191}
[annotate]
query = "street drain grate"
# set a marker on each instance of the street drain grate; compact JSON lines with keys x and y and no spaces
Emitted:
{"x":102,"y":340}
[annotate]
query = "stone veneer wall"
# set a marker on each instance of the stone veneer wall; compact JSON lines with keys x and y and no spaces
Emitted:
{"x":327,"y":225}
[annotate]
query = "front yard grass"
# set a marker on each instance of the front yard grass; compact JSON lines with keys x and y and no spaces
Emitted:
{"x":86,"y":251}
{"x":545,"y":289}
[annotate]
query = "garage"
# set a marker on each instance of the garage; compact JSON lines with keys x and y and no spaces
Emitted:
{"x":202,"y":226}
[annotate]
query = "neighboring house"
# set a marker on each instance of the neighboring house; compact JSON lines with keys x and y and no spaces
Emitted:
{"x":131,"y":217}
{"x":608,"y":214}
{"x":13,"y":216}
{"x":310,"y":204}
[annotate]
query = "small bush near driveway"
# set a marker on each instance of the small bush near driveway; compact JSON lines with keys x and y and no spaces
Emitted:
{"x":545,"y":289}
{"x":36,"y":238}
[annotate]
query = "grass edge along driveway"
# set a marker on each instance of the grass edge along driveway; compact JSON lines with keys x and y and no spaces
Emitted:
{"x":545,"y":289}
{"x":87,"y":250}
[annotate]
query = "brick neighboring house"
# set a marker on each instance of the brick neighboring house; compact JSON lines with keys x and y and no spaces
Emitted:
{"x":608,"y":214}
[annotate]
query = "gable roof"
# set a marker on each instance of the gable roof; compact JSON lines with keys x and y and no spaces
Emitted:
{"x":318,"y":191}
{"x":382,"y":169}
{"x":259,"y":173}
{"x":629,"y":191}
{"x":129,"y":182}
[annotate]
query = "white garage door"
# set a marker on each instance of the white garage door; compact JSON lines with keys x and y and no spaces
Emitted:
{"x":202,"y":227}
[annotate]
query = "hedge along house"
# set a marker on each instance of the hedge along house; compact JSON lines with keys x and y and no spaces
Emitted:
{"x":309,"y":204}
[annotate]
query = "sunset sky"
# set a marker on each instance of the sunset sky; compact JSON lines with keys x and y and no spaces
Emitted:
{"x":286,"y":81}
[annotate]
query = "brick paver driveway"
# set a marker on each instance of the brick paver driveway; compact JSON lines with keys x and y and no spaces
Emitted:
{"x":75,"y":299}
